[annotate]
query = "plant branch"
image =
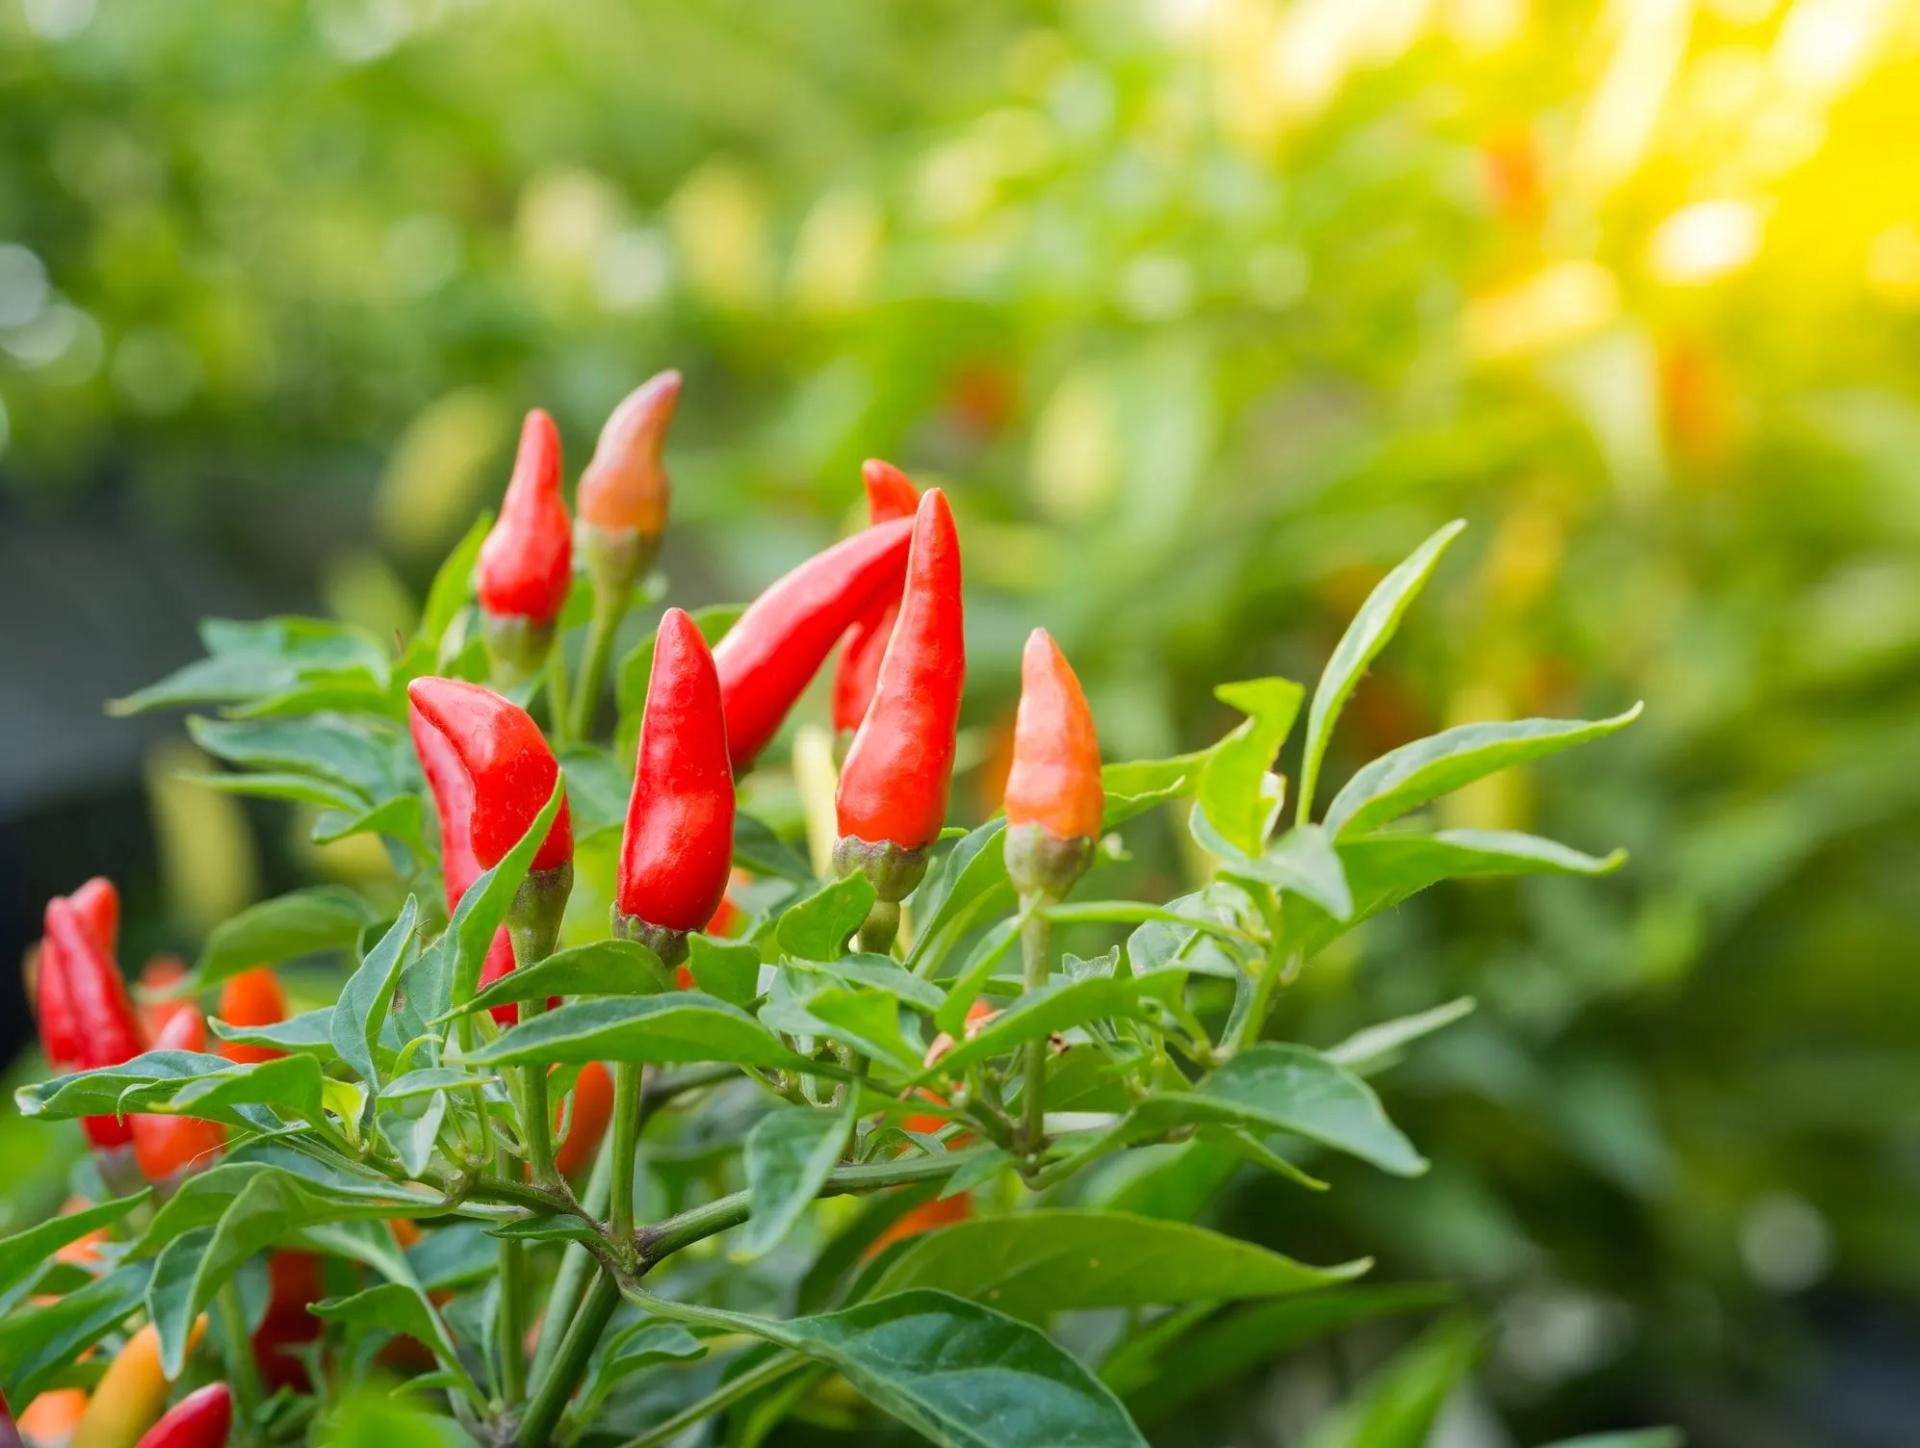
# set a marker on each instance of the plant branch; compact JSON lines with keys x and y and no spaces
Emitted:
{"x":570,"y":1362}
{"x":1035,"y":940}
{"x":593,"y":664}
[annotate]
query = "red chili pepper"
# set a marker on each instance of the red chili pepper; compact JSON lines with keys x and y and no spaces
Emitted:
{"x":252,"y":998}
{"x":890,"y":495}
{"x":1054,"y":798}
{"x":624,"y":489}
{"x":9,"y":1435}
{"x":892,"y":798}
{"x":86,"y":1018}
{"x":678,"y":847}
{"x":202,"y":1419}
{"x":164,"y":1146}
{"x":526,"y":563}
{"x":98,"y":905}
{"x":770,"y":656}
{"x":491,"y":773}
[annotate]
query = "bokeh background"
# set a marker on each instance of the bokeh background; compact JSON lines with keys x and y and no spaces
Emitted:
{"x":1205,"y":311}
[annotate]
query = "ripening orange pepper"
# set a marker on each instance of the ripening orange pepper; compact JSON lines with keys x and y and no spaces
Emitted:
{"x":252,"y":998}
{"x":131,"y":1395}
{"x":592,"y":1110}
{"x":1054,"y":797}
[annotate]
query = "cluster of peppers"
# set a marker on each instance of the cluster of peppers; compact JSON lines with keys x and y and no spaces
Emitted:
{"x":889,"y":596}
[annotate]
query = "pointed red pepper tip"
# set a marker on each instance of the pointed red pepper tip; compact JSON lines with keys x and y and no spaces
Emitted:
{"x":677,"y":850}
{"x":202,"y":1419}
{"x":526,"y":563}
{"x":625,"y":486}
{"x":491,"y":773}
{"x":893,"y":789}
{"x":98,"y":905}
{"x":890,"y":492}
{"x":1055,"y":780}
{"x":87,"y":1019}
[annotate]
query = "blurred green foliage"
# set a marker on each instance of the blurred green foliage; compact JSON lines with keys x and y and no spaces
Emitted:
{"x":1205,"y":310}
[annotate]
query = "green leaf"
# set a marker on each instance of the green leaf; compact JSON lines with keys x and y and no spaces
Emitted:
{"x":336,"y":750}
{"x":866,"y":1020}
{"x":1369,"y":632}
{"x":1283,"y":1087}
{"x":551,"y":1228}
{"x":1397,"y":1406}
{"x":37,"y":1346}
{"x":260,"y":659}
{"x":1384,"y":869}
{"x":143,"y":1084}
{"x":968,"y":884}
{"x":729,"y":970}
{"x":1033,"y":1263}
{"x":682,"y":1026}
{"x":758,"y":850}
{"x":605,"y":967}
{"x":1203,"y":1357}
{"x":25,"y":1252}
{"x":818,"y":927}
{"x":1135,"y":786}
{"x":290,"y":1085}
{"x":1303,"y":862}
{"x":1379,"y":1045}
{"x":1230,"y":788}
{"x":396,"y":1308}
{"x":310,"y":1032}
{"x":299,"y":788}
{"x":630,"y":683}
{"x":1417,"y":773}
{"x":306,"y":922}
{"x":452,"y":586}
{"x":597,"y":790}
{"x":365,"y":999}
{"x":957,"y":1373}
{"x":1058,"y":1006}
{"x":631,"y":1350}
{"x":880,"y":973}
{"x":271,"y":1206}
{"x":401,"y":817}
{"x":483,"y":908}
{"x":788,"y":1156}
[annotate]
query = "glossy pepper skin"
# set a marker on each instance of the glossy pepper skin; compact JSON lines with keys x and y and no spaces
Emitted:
{"x":770,"y":656}
{"x":490,"y":772}
{"x":202,"y":1419}
{"x":677,"y":850}
{"x":87,"y":1019}
{"x":892,"y":798}
{"x":1054,"y":798}
{"x":526,"y":564}
{"x":294,"y":1282}
{"x":252,"y":998}
{"x":168,"y":1146}
{"x":890,"y":495}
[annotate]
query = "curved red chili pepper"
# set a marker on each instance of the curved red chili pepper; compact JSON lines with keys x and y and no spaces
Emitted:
{"x":770,"y":656}
{"x":87,"y":1019}
{"x":893,"y":788}
{"x":890,"y":494}
{"x":678,"y":846}
{"x":252,"y":998}
{"x":166,"y":1145}
{"x":526,"y":563}
{"x":1055,"y":779}
{"x":202,"y":1419}
{"x":592,"y":1110}
{"x":624,"y":488}
{"x":98,"y":905}
{"x":491,"y":773}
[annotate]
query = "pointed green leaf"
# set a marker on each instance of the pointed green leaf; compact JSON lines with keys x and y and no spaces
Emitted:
{"x":38,"y":1345}
{"x":306,"y":922}
{"x":817,"y":927}
{"x":1058,"y":1006}
{"x":604,"y":967}
{"x":1398,"y":1405}
{"x":727,"y":969}
{"x":364,"y":1001}
{"x":1417,"y":773}
{"x":1379,"y":1045}
{"x":1029,"y":1264}
{"x":1230,"y":785}
{"x":1369,"y":632}
{"x":24,"y":1252}
{"x":683,"y":1026}
{"x":788,"y":1156}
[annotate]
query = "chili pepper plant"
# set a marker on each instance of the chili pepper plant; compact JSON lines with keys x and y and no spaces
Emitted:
{"x":636,"y":1118}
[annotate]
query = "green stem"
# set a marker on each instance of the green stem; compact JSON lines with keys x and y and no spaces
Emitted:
{"x":512,"y":1323}
{"x":1035,"y":939}
{"x":538,"y":1114}
{"x":725,"y":1396}
{"x":593,"y":663}
{"x":627,"y":1085}
{"x":569,"y":1364}
{"x":243,"y":1373}
{"x":560,"y":716}
{"x":575,"y":1265}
